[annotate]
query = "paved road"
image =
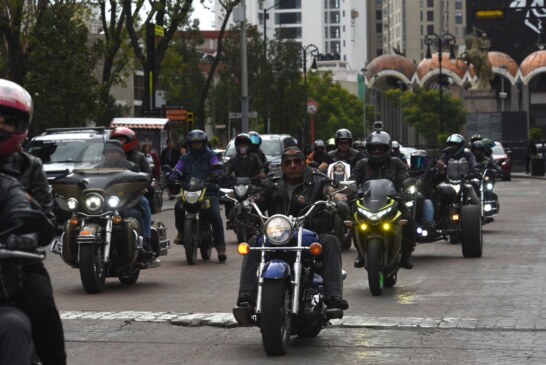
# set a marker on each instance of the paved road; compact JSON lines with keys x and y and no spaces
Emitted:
{"x":446,"y":310}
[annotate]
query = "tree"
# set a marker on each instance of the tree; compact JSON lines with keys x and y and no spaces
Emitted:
{"x":421,"y":110}
{"x":60,"y":67}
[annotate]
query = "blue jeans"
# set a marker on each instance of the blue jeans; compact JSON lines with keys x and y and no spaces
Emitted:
{"x":143,"y":216}
{"x":428,"y":210}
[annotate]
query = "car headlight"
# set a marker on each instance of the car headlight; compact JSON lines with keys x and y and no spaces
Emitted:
{"x":192,"y":197}
{"x":113,"y":202}
{"x":278,"y":230}
{"x":240,"y":190}
{"x":374,"y":216}
{"x":72,"y":203}
{"x":93,"y":202}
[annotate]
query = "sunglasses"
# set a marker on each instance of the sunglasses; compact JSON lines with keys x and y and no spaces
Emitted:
{"x":296,"y":161}
{"x":344,"y":142}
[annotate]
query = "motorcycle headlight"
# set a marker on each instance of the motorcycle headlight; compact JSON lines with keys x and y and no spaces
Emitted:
{"x":240,"y":190}
{"x":412,"y":189}
{"x":374,"y":216}
{"x":489,"y":186}
{"x":192,"y":197}
{"x":93,"y":202}
{"x":113,"y":202}
{"x":278,"y":230}
{"x":72,"y":203}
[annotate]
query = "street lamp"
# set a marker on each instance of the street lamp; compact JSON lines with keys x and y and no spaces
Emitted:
{"x":541,"y":42}
{"x":364,"y":87}
{"x":267,"y":119}
{"x":375,"y":77}
{"x":401,"y":85}
{"x":502,"y":94}
{"x":449,"y":39}
{"x":313,"y":51}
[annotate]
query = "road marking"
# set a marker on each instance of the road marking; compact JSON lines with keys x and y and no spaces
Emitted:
{"x":226,"y":320}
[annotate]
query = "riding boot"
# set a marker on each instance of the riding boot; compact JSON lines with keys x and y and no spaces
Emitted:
{"x":179,"y":239}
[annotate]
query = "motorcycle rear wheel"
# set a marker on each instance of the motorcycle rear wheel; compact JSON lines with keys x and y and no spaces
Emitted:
{"x":129,"y":280}
{"x":191,"y":237}
{"x":275,"y":317}
{"x":92,"y":270}
{"x":471,"y":231}
{"x":375,"y":274}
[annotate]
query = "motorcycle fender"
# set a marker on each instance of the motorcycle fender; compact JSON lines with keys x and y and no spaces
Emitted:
{"x":276,"y":270}
{"x":89,"y":231}
{"x":70,"y":248}
{"x":191,"y":215}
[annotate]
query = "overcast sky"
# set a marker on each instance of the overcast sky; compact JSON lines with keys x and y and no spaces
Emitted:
{"x":205,"y":16}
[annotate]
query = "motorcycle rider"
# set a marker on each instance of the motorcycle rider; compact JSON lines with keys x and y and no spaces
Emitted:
{"x":287,"y":192}
{"x":482,"y":162}
{"x":243,"y":164}
{"x":360,"y":146}
{"x":344,"y":152}
{"x":330,"y":145}
{"x":463,"y":162}
{"x":397,"y":153}
{"x":36,"y":299}
{"x":426,"y":181}
{"x":381,"y":165}
{"x":199,"y":163}
{"x":129,"y":142}
{"x":318,"y":157}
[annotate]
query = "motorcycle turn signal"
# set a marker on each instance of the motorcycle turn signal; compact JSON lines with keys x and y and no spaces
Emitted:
{"x":243,"y":249}
{"x":315,"y":249}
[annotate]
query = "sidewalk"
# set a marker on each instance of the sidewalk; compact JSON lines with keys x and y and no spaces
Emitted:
{"x":519,"y":175}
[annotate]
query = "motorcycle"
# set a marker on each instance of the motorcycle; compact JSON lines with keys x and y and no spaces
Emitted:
{"x":245,"y":224}
{"x":290,"y":299}
{"x":489,"y":201}
{"x":378,"y":232}
{"x":458,"y":218}
{"x":338,"y":172}
{"x":197,"y":225}
{"x":100,"y":239}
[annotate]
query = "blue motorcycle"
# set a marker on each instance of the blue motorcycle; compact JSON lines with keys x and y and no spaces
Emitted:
{"x":290,"y":298}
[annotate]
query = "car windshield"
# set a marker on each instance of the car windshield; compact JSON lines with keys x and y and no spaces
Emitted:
{"x":63,"y":151}
{"x":498,"y":150}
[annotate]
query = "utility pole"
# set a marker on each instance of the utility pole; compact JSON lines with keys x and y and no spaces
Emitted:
{"x":244,"y":69}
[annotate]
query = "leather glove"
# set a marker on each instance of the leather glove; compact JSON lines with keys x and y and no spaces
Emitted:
{"x":25,"y":242}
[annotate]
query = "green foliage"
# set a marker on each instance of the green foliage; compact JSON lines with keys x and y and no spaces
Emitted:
{"x":535,"y":134}
{"x":421,"y":110}
{"x":60,"y":71}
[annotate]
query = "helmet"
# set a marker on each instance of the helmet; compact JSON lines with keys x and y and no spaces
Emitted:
{"x":131,"y":144}
{"x":477,"y":145}
{"x":16,"y":108}
{"x":196,"y":135}
{"x":358,"y":144}
{"x":331,"y":142}
{"x":476,"y":137}
{"x":256,"y":139}
{"x":378,"y":139}
{"x":319,"y":143}
{"x":455,"y":143}
{"x":395,"y":145}
{"x":242,"y":138}
{"x":419,"y":160}
{"x":343,"y":134}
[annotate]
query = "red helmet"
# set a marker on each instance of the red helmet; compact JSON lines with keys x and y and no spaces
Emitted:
{"x":131,"y":144}
{"x":16,"y":108}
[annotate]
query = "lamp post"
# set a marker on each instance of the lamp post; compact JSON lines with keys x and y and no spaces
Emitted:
{"x":313,"y":51}
{"x":401,"y":85}
{"x":502,"y":94}
{"x":267,"y":118}
{"x":364,"y":89}
{"x":541,"y":42}
{"x":375,"y":77}
{"x":449,"y":39}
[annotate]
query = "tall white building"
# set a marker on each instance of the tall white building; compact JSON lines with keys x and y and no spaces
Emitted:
{"x":336,"y":27}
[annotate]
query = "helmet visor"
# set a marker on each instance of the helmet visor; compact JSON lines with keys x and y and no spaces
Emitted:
{"x":255,"y":139}
{"x":13,"y":122}
{"x":419,"y":162}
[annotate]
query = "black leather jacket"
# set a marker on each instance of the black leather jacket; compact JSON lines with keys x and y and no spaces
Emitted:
{"x":393,"y":169}
{"x":29,"y":171}
{"x":352,"y":158}
{"x":244,"y":166}
{"x":139,"y":159}
{"x":277,"y":200}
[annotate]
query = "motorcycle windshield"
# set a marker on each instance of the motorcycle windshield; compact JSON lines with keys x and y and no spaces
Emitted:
{"x":377,"y":193}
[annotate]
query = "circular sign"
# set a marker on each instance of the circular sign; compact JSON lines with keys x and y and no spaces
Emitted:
{"x":312,"y":107}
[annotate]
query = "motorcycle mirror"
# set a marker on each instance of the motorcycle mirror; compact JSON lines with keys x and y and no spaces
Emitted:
{"x":166,"y":168}
{"x":349,"y":185}
{"x":23,"y":221}
{"x":226,"y":191}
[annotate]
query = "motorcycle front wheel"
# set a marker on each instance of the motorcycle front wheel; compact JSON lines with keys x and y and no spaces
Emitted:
{"x":375,"y":274}
{"x":275,"y":317}
{"x":92,"y":270}
{"x":191,"y":237}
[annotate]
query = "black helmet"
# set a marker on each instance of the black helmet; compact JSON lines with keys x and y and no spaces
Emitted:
{"x":378,"y":139}
{"x":455,"y":144}
{"x":477,"y":145}
{"x":242,"y":138}
{"x":196,"y":135}
{"x":256,"y":139}
{"x":319,"y":143}
{"x":343,"y":134}
{"x":419,"y":160}
{"x":476,"y":137}
{"x":358,"y":144}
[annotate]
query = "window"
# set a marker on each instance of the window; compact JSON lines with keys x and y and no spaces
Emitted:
{"x":334,"y":17}
{"x":421,"y":16}
{"x":430,"y":16}
{"x":333,"y":4}
{"x":289,"y":33}
{"x":378,"y":27}
{"x":290,"y":4}
{"x":458,"y":4}
{"x":458,"y":18}
{"x":335,"y":47}
{"x":335,"y":33}
{"x":378,"y":15}
{"x":430,"y":29}
{"x":430,"y":3}
{"x":288,"y":18}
